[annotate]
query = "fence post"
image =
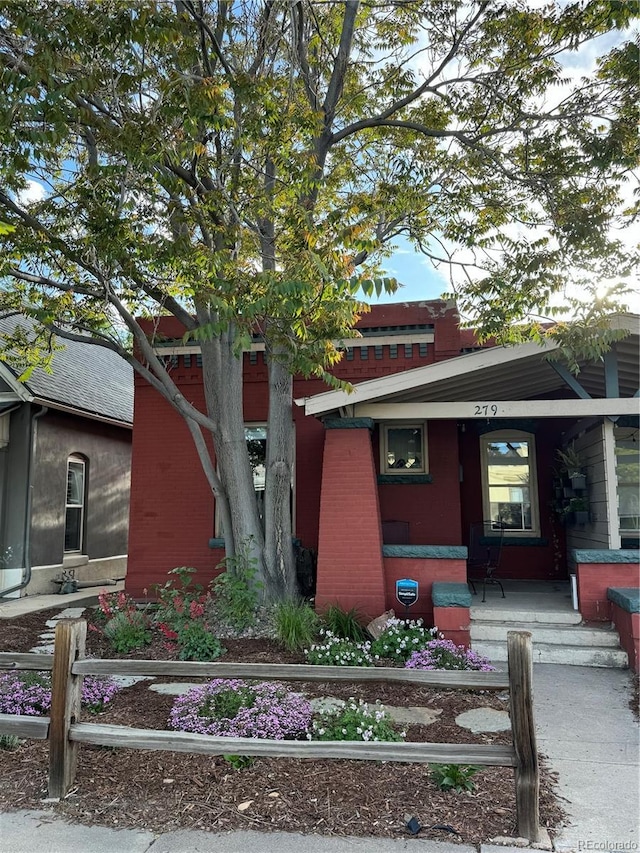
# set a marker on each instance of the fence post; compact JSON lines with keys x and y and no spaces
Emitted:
{"x":527,"y":772}
{"x":66,"y":691}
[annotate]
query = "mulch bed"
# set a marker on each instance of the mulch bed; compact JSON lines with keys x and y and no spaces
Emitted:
{"x":163,"y":791}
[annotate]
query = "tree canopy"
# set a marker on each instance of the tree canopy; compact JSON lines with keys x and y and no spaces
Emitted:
{"x":247,"y":166}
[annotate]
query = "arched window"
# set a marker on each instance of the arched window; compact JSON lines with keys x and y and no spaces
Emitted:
{"x":509,"y":484}
{"x":75,"y":504}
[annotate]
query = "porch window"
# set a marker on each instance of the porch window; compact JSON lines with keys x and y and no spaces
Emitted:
{"x":509,"y":488}
{"x":403,"y":449}
{"x":75,"y":504}
{"x":628,"y":476}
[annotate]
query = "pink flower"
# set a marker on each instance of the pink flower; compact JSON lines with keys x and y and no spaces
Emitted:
{"x":196,"y":610}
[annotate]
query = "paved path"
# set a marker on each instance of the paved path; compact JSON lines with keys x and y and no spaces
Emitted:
{"x":587,"y":730}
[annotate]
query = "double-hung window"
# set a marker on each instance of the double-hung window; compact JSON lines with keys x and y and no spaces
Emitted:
{"x":509,"y":487}
{"x":75,"y":504}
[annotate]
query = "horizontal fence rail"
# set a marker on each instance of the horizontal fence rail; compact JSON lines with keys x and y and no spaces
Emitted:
{"x":24,"y":725}
{"x":30,"y":661}
{"x":64,"y":731}
{"x":452,"y":679}
{"x":422,"y":753}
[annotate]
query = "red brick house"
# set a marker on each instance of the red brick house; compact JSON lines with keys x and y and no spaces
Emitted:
{"x":438,"y":434}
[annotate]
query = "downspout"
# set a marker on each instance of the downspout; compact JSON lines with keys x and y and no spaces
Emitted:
{"x":33,"y":431}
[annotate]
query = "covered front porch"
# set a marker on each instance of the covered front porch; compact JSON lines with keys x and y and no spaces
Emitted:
{"x":412,"y":460}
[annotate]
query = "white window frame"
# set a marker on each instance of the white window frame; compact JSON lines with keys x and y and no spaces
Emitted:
{"x":623,"y":435}
{"x":385,"y":468}
{"x":76,"y":459}
{"x":511,"y":435}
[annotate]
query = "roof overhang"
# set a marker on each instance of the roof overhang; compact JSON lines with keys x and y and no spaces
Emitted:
{"x":496,"y":376}
{"x":19,"y":393}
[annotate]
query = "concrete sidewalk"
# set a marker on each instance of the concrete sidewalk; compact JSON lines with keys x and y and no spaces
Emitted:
{"x":584,"y":726}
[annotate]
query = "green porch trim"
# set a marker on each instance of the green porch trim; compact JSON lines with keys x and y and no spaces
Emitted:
{"x":628,"y":598}
{"x":348,"y":423}
{"x":403,"y":479}
{"x":530,"y":541}
{"x":445,"y":594}
{"x":426,"y":552}
{"x":605,"y":556}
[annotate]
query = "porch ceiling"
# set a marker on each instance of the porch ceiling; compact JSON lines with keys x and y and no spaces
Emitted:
{"x":523,"y":379}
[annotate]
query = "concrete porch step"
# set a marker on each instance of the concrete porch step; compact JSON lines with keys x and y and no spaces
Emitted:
{"x":551,"y":615}
{"x":552,"y":653}
{"x":549,"y":633}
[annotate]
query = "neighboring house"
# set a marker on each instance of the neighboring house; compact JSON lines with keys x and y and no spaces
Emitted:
{"x":438,"y":434}
{"x":65,"y":465}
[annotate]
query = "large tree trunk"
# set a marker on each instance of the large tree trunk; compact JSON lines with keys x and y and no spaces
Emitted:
{"x":279,"y":560}
{"x":222,"y":375}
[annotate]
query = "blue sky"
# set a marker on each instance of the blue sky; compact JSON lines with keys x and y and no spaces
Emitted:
{"x":415,"y":273}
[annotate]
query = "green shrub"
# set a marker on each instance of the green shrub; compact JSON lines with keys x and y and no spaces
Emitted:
{"x":296,"y":624}
{"x":127,"y":631}
{"x":454,"y":777}
{"x":344,"y":623}
{"x":9,"y":742}
{"x":354,"y":720}
{"x":236,"y":590}
{"x":196,"y":642}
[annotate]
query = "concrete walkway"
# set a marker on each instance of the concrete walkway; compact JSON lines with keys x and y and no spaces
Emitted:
{"x":584,"y":726}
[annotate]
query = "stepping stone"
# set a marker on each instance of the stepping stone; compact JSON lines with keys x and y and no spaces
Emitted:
{"x":173,"y":688}
{"x":130,"y":680}
{"x":484,"y":720}
{"x":46,"y":649}
{"x":413,"y":715}
{"x":71,"y":613}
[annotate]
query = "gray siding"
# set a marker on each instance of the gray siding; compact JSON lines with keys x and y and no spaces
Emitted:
{"x":595,"y":534}
{"x":107,"y":450}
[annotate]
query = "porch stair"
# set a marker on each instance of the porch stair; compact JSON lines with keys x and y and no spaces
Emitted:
{"x":557,"y":631}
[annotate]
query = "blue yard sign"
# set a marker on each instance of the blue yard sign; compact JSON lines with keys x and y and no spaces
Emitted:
{"x":407,"y":591}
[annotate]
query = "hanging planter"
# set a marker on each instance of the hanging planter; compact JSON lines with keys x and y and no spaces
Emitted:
{"x":578,"y":511}
{"x":572,"y":465}
{"x":578,"y":481}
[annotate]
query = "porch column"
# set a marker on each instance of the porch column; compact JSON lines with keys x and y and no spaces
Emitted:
{"x":350,"y":564}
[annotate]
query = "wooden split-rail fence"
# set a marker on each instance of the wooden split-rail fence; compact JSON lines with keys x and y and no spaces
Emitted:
{"x":64,"y":730}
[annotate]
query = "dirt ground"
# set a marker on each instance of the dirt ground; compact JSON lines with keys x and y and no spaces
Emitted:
{"x":162,"y":791}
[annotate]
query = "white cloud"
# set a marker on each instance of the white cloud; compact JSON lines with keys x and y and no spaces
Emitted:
{"x":33,"y":192}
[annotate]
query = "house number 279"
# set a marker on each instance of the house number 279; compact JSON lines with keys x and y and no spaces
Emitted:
{"x":484,"y":410}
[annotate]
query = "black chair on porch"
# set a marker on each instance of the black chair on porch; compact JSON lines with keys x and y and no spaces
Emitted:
{"x":485,"y":549}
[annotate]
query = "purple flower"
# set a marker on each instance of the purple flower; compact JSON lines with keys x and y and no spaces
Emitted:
{"x":234,"y":708}
{"x":444,"y":654}
{"x":29,"y":693}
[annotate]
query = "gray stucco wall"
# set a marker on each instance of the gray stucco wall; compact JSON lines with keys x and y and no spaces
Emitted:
{"x":14,"y":486}
{"x":107,"y":450}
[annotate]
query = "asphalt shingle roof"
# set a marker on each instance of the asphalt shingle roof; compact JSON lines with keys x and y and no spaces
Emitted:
{"x":86,"y":377}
